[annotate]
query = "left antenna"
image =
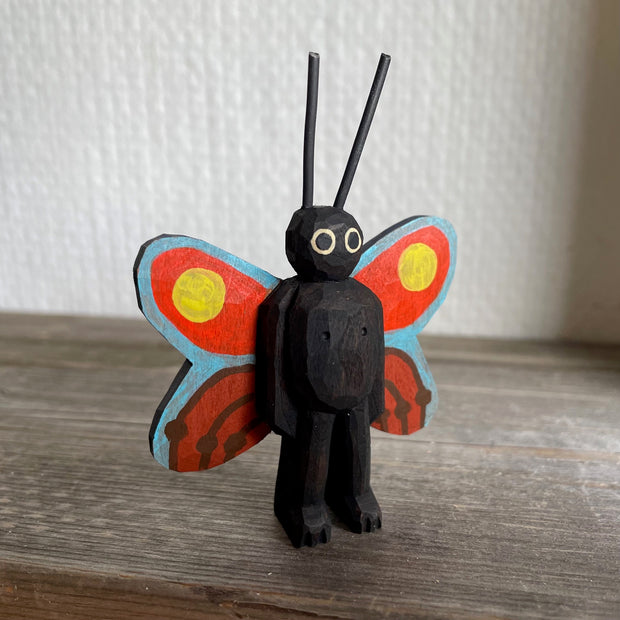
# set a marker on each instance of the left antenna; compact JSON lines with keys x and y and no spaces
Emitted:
{"x":310,"y":129}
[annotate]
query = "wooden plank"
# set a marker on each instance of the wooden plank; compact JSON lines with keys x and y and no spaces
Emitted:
{"x":51,"y":328}
{"x":477,"y":531}
{"x":507,"y":506}
{"x":480,"y":404}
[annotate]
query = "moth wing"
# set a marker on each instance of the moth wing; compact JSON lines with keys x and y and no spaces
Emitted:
{"x":410,"y":391}
{"x":409,"y":267}
{"x":204,"y":422}
{"x":199,"y":297}
{"x":204,"y":301}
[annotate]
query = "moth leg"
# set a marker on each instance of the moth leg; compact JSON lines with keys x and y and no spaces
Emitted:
{"x":302,"y":475}
{"x":348,"y":490}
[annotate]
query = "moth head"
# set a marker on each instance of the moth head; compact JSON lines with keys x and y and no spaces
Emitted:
{"x":323,"y":243}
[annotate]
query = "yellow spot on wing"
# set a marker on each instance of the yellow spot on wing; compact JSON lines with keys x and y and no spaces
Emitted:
{"x":417,"y":267}
{"x":198,"y":294}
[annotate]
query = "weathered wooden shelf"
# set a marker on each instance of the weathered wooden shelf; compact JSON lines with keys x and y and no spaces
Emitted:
{"x":506,"y":506}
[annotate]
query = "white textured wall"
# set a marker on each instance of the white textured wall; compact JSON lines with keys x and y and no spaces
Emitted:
{"x":122,"y":120}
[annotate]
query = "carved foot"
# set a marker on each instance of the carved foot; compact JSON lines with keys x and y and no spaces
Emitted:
{"x":307,"y":526}
{"x":361,"y":513}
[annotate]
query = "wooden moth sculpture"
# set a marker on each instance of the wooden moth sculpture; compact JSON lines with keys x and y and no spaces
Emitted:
{"x":317,"y":358}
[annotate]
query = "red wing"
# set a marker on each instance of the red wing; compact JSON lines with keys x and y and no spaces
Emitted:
{"x":406,"y":397}
{"x":409,"y":268}
{"x":200,"y":297}
{"x":218,"y":423}
{"x":204,"y":301}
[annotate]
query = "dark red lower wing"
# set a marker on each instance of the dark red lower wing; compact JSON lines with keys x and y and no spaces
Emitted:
{"x":406,"y":397}
{"x":217,"y":423}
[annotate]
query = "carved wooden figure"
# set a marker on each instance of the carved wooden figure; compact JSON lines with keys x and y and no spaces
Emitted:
{"x":317,"y":358}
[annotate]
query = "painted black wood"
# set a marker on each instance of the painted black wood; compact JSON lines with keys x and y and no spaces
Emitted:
{"x":362,"y":132}
{"x":320,"y":356}
{"x":273,"y":402}
{"x":310,"y":129}
{"x":320,"y":378}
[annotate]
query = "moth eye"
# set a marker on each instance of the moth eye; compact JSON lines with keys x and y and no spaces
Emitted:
{"x":323,"y":241}
{"x":352,"y":240}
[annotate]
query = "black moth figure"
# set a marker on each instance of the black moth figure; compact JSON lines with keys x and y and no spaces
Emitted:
{"x":317,"y":358}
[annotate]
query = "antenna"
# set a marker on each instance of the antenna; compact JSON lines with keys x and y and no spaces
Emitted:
{"x":362,"y":131}
{"x":310,"y":129}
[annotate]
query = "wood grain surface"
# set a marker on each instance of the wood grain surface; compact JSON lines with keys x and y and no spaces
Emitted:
{"x":507,"y":506}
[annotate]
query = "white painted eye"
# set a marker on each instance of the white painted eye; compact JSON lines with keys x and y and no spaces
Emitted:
{"x":318,"y":233}
{"x":352,"y":240}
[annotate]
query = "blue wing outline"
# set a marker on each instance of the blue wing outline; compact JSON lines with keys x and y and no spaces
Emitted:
{"x":200,"y":364}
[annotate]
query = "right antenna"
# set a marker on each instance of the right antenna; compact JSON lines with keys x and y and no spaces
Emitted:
{"x":310,"y":129}
{"x":362,"y":132}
